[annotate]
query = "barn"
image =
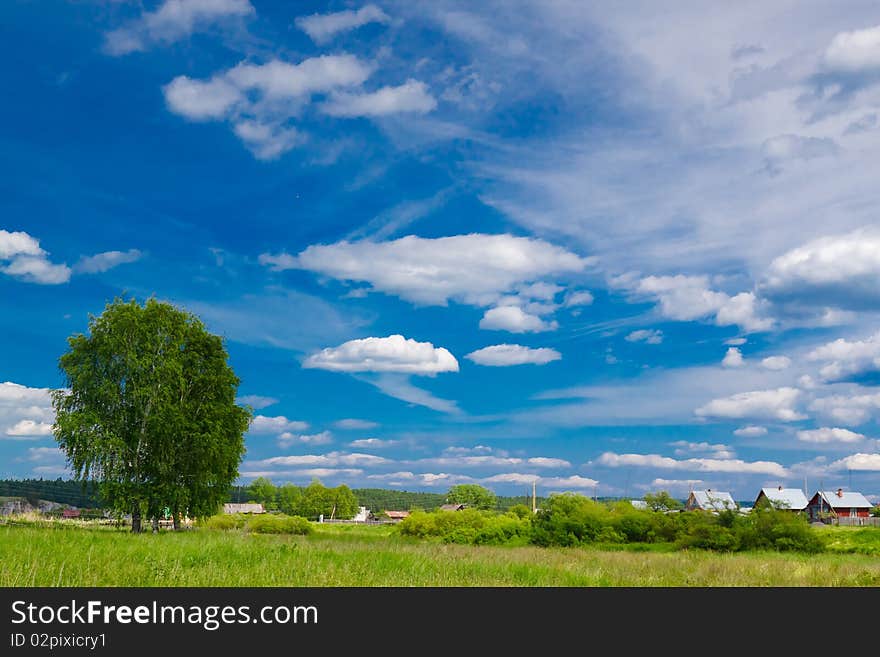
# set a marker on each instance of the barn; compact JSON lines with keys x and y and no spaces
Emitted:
{"x":839,"y":504}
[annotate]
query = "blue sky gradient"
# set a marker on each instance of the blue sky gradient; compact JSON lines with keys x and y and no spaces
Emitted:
{"x":664,"y":219}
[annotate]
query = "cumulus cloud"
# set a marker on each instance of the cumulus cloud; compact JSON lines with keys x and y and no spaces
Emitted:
{"x":515,"y":320}
{"x":25,"y":413}
{"x":857,"y":51}
{"x":648,"y":336}
{"x":750,"y":431}
{"x":350,"y":423}
{"x":476,"y":269}
{"x":735,"y":342}
{"x":612,"y":460}
{"x":859,"y":462}
{"x":776,"y":363}
{"x":503,"y":355}
{"x":778,"y":404}
{"x":288,"y":438}
{"x":847,"y":358}
{"x":22,"y":257}
{"x":259,"y":99}
{"x":392,"y":354}
{"x":851,"y":410}
{"x":488,"y":460}
{"x":172,"y":21}
{"x":102,"y":262}
{"x":717,"y":450}
{"x":829,"y":435}
{"x":576,"y":298}
{"x":256,"y":401}
{"x":733,"y":358}
{"x":412,"y":96}
{"x":686,"y":298}
{"x":432,"y":479}
{"x":839,"y":271}
{"x":372,"y":443}
{"x":572,"y":481}
{"x":331,"y":459}
{"x":321,"y":28}
{"x":262,"y":424}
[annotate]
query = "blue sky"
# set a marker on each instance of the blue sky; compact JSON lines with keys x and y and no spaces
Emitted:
{"x":605,"y":249}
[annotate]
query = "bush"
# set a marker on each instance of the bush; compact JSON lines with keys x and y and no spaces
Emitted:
{"x":569,"y":519}
{"x":225,"y":521}
{"x":279,"y":524}
{"x":469,"y":526}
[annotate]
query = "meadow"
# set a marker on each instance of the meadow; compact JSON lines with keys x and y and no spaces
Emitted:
{"x":64,"y":553}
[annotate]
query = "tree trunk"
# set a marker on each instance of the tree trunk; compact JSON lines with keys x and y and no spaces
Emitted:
{"x":175,"y":518}
{"x":136,"y":521}
{"x":155,"y":524}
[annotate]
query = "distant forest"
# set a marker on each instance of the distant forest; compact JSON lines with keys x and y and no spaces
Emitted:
{"x":74,"y":493}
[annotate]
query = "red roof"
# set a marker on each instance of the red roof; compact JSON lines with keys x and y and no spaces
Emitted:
{"x":70,"y":513}
{"x":397,"y":515}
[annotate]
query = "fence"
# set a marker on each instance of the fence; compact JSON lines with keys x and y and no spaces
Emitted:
{"x":846,"y":521}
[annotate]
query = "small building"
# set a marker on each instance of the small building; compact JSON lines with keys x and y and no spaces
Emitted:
{"x":249,"y":507}
{"x":710,"y":500}
{"x":789,"y":499}
{"x":453,"y":507}
{"x":396,"y":516}
{"x":362,"y":515}
{"x":70,"y":513}
{"x":838,"y":504}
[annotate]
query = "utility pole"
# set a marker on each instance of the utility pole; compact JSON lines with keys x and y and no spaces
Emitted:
{"x":534,"y":497}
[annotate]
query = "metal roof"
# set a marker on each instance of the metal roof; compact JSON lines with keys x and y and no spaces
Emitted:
{"x":713,"y":500}
{"x":849,"y":499}
{"x":786,"y":498}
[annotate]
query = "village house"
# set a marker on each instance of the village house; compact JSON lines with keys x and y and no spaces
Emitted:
{"x":838,"y":504}
{"x":790,"y":499}
{"x":453,"y":507}
{"x":396,"y":516}
{"x":710,"y":500}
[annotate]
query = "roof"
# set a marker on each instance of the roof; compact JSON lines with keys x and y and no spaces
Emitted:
{"x":786,"y":498}
{"x":713,"y":500}
{"x":848,"y":500}
{"x":394,"y":515}
{"x":452,"y":507}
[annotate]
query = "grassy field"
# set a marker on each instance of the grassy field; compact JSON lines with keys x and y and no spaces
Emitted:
{"x":64,"y":554}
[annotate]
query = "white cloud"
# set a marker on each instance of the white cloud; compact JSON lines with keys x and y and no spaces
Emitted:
{"x":735,"y":342}
{"x":321,"y":28}
{"x":717,"y":450}
{"x":400,"y":387}
{"x":101,"y":262}
{"x":433,"y":479}
{"x":475,"y":269}
{"x":857,"y":51}
{"x":776,"y":363}
{"x":288,"y":438}
{"x":573,"y":481}
{"x":515,"y":320}
{"x":778,"y":404}
{"x":517,"y":478}
{"x":171,"y":21}
{"x":331,"y":459}
{"x":256,"y":401}
{"x":29,"y":428}
{"x":859,"y":462}
{"x":485,"y":461}
{"x":675,"y":484}
{"x":845,"y":358}
{"x":43,"y":454}
{"x":838,"y":271}
{"x":648,"y":336}
{"x":848,"y":409}
{"x":411,"y":96}
{"x":457,"y":450}
{"x":355,"y":423}
{"x":372,"y":443}
{"x":392,"y":354}
{"x":502,"y":355}
{"x":686,"y":298}
{"x":28,"y":261}
{"x":18,"y":243}
{"x":750,"y":431}
{"x":733,"y":358}
{"x":260,"y":99}
{"x":262,"y":424}
{"x":829,"y":435}
{"x":612,"y":460}
{"x":577,"y":298}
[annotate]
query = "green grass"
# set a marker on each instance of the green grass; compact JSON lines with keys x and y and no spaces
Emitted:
{"x":68,"y":554}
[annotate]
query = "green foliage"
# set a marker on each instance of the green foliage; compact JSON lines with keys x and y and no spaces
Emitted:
{"x":473,"y":495}
{"x":570,"y":519}
{"x":469,"y":526}
{"x":875,"y":512}
{"x":262,"y":490}
{"x":289,"y":498}
{"x":521,"y":511}
{"x":148,"y":410}
{"x":662,"y":501}
{"x":225,"y":521}
{"x":278,"y":524}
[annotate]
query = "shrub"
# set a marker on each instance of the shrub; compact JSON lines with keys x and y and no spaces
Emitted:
{"x":225,"y":521}
{"x":569,"y":519}
{"x":468,"y":526}
{"x":278,"y":524}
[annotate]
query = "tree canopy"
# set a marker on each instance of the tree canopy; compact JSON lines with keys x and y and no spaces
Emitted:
{"x":472,"y":495}
{"x":149,"y":412}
